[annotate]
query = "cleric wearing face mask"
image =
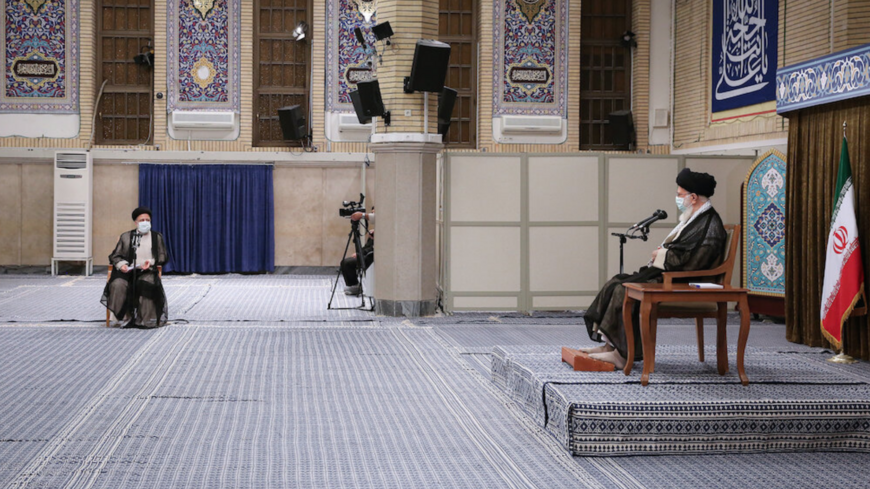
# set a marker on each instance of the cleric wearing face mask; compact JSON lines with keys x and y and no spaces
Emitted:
{"x":697,"y":243}
{"x":135,"y":293}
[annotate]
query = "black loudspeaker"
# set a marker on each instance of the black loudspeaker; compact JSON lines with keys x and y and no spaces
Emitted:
{"x":367,"y":102}
{"x":446,"y":101}
{"x":292,"y":123}
{"x":621,"y":128}
{"x":429,"y":67}
{"x":382,"y":31}
{"x":358,"y":108}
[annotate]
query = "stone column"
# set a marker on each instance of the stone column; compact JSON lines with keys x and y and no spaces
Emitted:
{"x":405,"y":186}
{"x":405,"y":257}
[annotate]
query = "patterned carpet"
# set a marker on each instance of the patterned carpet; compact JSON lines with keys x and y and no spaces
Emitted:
{"x":256,"y":384}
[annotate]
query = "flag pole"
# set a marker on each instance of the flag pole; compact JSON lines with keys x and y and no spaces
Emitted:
{"x":841,"y":357}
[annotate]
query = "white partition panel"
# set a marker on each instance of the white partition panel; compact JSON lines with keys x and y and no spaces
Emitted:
{"x":496,"y":179}
{"x":563,"y":188}
{"x":563,"y":259}
{"x":485,"y":259}
{"x":533,"y":231}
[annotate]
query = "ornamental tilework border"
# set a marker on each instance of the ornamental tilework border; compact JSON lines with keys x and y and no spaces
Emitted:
{"x":531,"y":46}
{"x":838,"y":76}
{"x":344,"y":56}
{"x":203,"y":56}
{"x":764,"y":226}
{"x":40,"y":39}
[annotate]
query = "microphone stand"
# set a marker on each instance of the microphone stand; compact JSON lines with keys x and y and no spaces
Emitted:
{"x":623,"y":237}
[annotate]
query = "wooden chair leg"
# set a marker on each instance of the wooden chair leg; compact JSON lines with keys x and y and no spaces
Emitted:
{"x":699,"y":331}
{"x":108,"y":315}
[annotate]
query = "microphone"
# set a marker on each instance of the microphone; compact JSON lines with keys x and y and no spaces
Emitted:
{"x":135,"y":241}
{"x":659,"y":214}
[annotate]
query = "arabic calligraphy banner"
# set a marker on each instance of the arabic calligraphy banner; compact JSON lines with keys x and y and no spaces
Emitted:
{"x":744,"y":52}
{"x":39,"y":45}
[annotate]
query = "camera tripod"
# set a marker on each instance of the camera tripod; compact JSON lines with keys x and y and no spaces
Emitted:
{"x":353,"y":237}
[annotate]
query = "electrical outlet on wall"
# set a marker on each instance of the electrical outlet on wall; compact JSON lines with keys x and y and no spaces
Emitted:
{"x":408,"y":113}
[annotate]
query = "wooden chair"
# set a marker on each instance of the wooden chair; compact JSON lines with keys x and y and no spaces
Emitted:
{"x":700,"y":310}
{"x":109,"y":277}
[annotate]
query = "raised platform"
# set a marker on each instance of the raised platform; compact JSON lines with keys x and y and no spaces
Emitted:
{"x":795,"y":402}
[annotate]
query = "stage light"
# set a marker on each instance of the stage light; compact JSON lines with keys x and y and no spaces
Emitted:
{"x":300,"y":31}
{"x":145,"y":57}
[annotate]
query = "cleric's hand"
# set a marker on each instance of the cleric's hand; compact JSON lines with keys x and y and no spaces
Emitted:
{"x":147,"y":265}
{"x":125,"y":268}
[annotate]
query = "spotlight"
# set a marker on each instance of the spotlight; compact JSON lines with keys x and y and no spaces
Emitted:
{"x":627,"y":40}
{"x":145,"y":57}
{"x":383,"y":31}
{"x":300,"y":31}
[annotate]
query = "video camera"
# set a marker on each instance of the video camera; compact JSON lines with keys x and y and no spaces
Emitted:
{"x":351,"y":208}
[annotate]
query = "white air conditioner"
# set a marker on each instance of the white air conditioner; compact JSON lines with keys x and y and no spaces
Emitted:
{"x":73,"y":207}
{"x":203,"y":120}
{"x":531,"y":129}
{"x":519,"y":124}
{"x":349,"y":123}
{"x":345,"y":128}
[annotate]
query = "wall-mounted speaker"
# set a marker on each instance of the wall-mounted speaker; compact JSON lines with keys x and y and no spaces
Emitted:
{"x":292,"y":122}
{"x":367,"y":102}
{"x":446,"y":101}
{"x":621,"y":128}
{"x":429,"y":67}
{"x":358,"y":107}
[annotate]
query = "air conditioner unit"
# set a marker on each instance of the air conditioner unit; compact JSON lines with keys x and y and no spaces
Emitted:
{"x":350,"y":123}
{"x":519,"y":124}
{"x":203,"y":120}
{"x":73,"y":208}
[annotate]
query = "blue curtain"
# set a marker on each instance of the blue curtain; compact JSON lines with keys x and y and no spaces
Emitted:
{"x":215,"y":218}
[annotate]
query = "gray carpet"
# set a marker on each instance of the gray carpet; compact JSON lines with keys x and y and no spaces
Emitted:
{"x":256,"y":384}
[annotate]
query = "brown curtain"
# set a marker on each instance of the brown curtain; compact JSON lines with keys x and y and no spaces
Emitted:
{"x":814,"y":139}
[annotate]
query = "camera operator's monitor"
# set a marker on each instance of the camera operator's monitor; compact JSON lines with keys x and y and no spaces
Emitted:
{"x":429,"y":67}
{"x":292,"y":122}
{"x":367,"y":102}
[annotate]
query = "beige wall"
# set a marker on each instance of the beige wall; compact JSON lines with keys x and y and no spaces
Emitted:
{"x":308,"y":230}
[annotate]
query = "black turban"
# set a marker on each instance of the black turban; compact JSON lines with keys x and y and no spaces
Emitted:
{"x":144,"y":210}
{"x":697,"y":182}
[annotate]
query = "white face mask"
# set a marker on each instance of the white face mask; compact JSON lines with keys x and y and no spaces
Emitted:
{"x":144,"y":227}
{"x":681,"y":204}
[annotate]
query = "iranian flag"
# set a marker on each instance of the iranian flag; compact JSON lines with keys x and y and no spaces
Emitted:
{"x":844,"y":272}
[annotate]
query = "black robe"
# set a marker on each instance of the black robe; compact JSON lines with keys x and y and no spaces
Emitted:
{"x":141,"y":291}
{"x":698,"y":247}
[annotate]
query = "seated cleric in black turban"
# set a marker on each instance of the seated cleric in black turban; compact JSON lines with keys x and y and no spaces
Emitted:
{"x":696,"y":243}
{"x":697,"y":182}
